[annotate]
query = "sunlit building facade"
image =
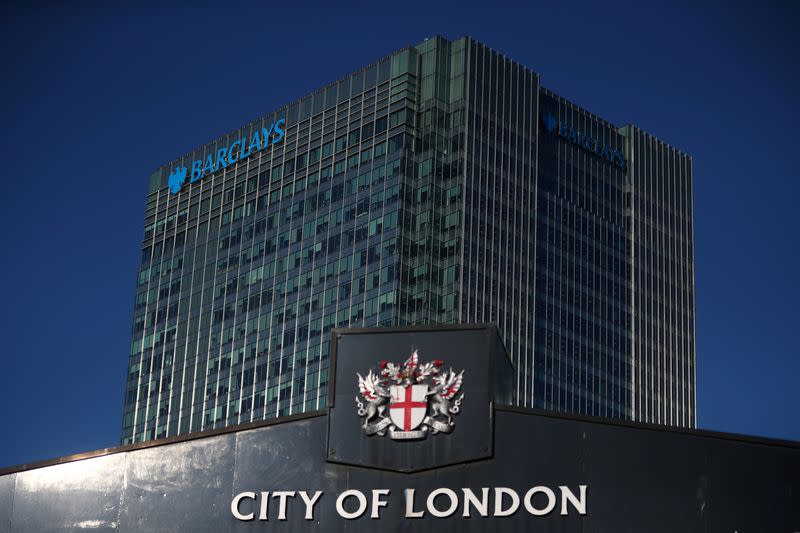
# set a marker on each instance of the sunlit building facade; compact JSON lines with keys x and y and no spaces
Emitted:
{"x":441,"y":184}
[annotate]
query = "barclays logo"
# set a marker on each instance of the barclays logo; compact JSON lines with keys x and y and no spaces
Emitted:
{"x":549,"y":122}
{"x":584,"y":140}
{"x":238,"y":150}
{"x":176,"y":179}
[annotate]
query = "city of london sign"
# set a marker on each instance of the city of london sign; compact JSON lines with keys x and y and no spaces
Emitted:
{"x":421,"y":398}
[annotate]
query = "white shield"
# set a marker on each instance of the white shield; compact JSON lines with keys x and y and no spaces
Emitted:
{"x":408,"y":405}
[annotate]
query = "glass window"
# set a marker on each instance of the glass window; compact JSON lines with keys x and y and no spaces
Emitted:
{"x":357,"y":83}
{"x":338,"y":168}
{"x":371,"y":77}
{"x":396,"y":118}
{"x":325,"y":174}
{"x":341,"y":143}
{"x":384,"y":70}
{"x":366,"y":130}
{"x":400,"y":63}
{"x":395,"y":143}
{"x":344,"y":90}
{"x":330,"y":96}
{"x":313,"y":155}
{"x":319,"y":102}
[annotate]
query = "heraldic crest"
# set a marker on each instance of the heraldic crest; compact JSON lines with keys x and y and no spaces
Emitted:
{"x":421,"y":398}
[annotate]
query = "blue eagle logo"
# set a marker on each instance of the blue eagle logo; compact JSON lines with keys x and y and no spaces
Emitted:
{"x":549,"y":122}
{"x":176,"y":179}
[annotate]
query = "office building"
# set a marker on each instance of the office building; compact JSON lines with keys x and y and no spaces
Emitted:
{"x":442,"y":184}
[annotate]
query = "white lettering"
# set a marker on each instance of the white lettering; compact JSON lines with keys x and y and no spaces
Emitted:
{"x":235,"y":505}
{"x":440,"y":502}
{"x":377,"y":502}
{"x":578,"y":504}
{"x":482,"y":505}
{"x":432,"y":503}
{"x":282,"y":495}
{"x":410,"y":512}
{"x":498,"y":501}
{"x":551,"y":501}
{"x":362,"y":504}
{"x":310,"y":502}
{"x":263,"y":515}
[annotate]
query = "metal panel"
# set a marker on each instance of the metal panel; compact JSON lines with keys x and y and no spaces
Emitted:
{"x":471,"y":349}
{"x":6,"y":501}
{"x":285,"y":457}
{"x":180,"y":487}
{"x":752,"y":489}
{"x":638,"y":479}
{"x":72,"y":496}
{"x":652,"y":467}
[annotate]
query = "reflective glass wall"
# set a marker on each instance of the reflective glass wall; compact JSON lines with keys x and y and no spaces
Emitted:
{"x":583,"y":266}
{"x":244,"y":272}
{"x":424,"y":188}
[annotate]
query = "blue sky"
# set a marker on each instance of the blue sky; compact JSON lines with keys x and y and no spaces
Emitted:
{"x":94,"y":98}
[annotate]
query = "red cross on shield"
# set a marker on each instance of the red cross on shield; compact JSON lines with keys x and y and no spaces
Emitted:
{"x":408,"y":405}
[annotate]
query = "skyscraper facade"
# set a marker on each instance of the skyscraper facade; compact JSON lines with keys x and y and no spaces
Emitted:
{"x":441,"y":184}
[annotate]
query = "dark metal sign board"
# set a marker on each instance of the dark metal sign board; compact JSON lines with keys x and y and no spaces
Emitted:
{"x":416,"y":368}
{"x":543,"y":472}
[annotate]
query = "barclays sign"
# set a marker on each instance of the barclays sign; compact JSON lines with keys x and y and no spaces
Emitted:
{"x":238,"y":150}
{"x":584,"y":140}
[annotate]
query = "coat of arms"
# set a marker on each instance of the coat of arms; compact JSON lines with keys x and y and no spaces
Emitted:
{"x":420,"y":398}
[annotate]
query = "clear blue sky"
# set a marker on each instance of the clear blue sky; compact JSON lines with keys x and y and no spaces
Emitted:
{"x":95,"y":98}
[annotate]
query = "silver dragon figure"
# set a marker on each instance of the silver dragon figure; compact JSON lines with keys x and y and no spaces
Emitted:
{"x":377,"y":396}
{"x":447,"y":385}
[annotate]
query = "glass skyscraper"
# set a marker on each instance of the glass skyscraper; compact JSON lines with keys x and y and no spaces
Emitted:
{"x":441,"y":184}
